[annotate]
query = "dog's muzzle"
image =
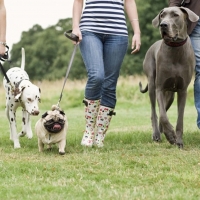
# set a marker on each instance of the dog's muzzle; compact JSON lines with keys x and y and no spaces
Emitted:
{"x":54,"y":127}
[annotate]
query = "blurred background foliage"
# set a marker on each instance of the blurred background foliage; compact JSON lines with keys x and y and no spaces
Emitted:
{"x":48,"y":51}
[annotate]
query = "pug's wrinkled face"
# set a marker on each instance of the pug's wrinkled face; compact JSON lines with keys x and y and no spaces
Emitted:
{"x":54,"y":121}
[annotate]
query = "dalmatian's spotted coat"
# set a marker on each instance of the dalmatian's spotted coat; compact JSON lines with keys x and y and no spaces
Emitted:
{"x":20,"y":92}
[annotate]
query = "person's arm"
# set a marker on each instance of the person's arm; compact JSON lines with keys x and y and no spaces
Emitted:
{"x":77,"y":12}
{"x":131,"y":10}
{"x":2,"y":27}
{"x":174,"y":2}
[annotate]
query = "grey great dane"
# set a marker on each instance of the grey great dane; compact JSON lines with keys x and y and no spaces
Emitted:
{"x":169,"y":65}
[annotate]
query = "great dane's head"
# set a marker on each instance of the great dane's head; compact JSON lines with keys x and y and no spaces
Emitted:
{"x":172,"y":22}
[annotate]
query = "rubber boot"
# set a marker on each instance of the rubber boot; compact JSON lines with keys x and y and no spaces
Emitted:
{"x":91,"y":111}
{"x":103,"y":121}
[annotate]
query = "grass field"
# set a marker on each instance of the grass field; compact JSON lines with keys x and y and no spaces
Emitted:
{"x":129,"y":167}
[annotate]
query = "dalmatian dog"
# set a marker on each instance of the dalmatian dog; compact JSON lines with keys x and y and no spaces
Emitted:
{"x":20,"y":92}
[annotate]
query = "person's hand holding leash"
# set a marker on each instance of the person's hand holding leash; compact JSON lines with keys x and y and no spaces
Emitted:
{"x":77,"y":32}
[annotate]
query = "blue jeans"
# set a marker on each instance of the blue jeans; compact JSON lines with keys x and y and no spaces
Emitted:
{"x":195,"y":39}
{"x":103,"y":56}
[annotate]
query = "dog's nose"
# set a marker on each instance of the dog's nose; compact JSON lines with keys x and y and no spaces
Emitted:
{"x":163,"y":25}
{"x":36,"y":112}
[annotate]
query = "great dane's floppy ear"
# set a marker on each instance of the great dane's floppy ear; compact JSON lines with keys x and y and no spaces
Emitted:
{"x":156,"y":20}
{"x":191,"y":15}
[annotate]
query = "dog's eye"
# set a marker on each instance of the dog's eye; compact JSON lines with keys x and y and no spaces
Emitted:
{"x":162,"y":15}
{"x":29,"y":99}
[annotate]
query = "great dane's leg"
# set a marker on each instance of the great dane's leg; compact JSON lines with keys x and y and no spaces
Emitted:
{"x":167,"y":127}
{"x":154,"y":118}
{"x":26,"y":125}
{"x":149,"y":67}
{"x":179,"y":126}
{"x":169,"y":98}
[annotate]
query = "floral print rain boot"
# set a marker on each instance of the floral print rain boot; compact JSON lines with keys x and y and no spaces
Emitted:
{"x":91,"y":111}
{"x":102,"y":124}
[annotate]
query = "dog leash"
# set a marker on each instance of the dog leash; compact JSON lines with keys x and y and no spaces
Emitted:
{"x":75,"y":38}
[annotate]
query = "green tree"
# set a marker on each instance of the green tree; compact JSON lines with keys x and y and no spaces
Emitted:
{"x":48,"y":51}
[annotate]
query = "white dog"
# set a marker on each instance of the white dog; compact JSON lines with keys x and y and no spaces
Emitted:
{"x":20,"y":92}
{"x":52,"y":129}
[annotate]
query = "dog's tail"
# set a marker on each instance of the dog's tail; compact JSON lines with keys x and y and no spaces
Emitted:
{"x":23,"y":59}
{"x":143,"y":90}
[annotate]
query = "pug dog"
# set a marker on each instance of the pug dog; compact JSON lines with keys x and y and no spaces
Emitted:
{"x":52,"y":129}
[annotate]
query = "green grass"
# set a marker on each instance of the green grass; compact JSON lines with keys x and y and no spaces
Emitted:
{"x":129,"y":166}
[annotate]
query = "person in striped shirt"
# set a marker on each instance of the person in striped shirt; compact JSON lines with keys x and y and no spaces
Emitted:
{"x":103,"y":40}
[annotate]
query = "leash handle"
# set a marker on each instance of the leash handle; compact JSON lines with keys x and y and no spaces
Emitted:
{"x":5,"y":56}
{"x":71,"y":36}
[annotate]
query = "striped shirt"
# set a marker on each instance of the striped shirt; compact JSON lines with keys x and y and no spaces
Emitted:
{"x":104,"y":16}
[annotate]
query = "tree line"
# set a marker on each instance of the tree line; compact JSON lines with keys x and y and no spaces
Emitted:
{"x":48,"y":51}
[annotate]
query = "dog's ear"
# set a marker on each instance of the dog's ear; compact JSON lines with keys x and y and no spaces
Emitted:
{"x":44,"y":115}
{"x":191,"y":15}
{"x":156,"y":20}
{"x":18,"y":93}
{"x":62,"y":112}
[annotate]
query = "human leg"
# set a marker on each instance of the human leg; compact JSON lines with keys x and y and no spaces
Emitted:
{"x":91,"y":48}
{"x":195,"y":40}
{"x":92,"y":53}
{"x":115,"y":48}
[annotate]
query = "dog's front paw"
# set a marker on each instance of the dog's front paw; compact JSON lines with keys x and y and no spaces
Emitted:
{"x":29,"y":135}
{"x":61,"y":152}
{"x":17,"y":145}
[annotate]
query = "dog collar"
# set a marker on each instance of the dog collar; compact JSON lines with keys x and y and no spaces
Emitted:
{"x":175,"y":44}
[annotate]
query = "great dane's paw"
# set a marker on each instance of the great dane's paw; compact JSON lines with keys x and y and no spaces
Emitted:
{"x":156,"y":139}
{"x":170,"y":136}
{"x":171,"y":139}
{"x":180,"y":145}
